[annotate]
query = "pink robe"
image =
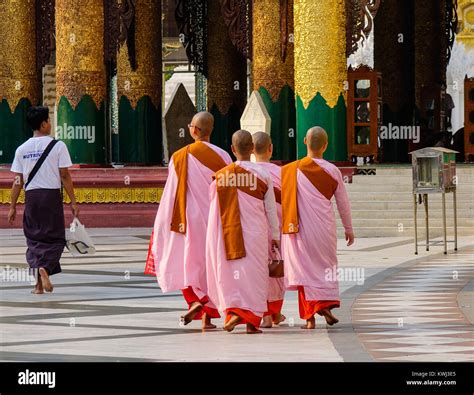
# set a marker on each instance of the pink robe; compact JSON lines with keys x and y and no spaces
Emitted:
{"x":276,"y":286}
{"x":180,"y":259}
{"x":310,"y":255}
{"x":240,"y":283}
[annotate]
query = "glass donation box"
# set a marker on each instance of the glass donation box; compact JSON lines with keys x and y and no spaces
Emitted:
{"x":434,"y":171}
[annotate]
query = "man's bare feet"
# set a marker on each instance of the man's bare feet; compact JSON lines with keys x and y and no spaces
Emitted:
{"x":206,"y":322}
{"x":330,"y":319}
{"x":47,"y":285}
{"x":252,"y":330}
{"x":310,"y":324}
{"x":266,"y":322}
{"x":195,"y":308}
{"x":232,"y":323}
{"x":279,"y":318}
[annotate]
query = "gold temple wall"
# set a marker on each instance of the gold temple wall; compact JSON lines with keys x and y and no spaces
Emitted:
{"x":80,"y":68}
{"x":18,"y":74}
{"x":320,"y":49}
{"x":146,"y":80}
{"x":269,"y":70}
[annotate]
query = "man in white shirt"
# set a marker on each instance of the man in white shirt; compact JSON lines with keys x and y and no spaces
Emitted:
{"x":43,"y":219}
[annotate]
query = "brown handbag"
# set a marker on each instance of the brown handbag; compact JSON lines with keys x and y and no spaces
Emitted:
{"x":276,"y":267}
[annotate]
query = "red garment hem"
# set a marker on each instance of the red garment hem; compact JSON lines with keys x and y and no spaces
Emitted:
{"x":247,"y":317}
{"x":308,"y":308}
{"x":150,"y":259}
{"x":191,"y":297}
{"x":274,"y":308}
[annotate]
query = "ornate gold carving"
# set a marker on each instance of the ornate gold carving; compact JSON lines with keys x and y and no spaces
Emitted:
{"x":320,"y":47}
{"x":80,"y":68}
{"x":101,"y":195}
{"x":18,"y":75}
{"x":147,"y":78}
{"x":227,"y":70}
{"x":269,"y":70}
{"x":466,"y":23}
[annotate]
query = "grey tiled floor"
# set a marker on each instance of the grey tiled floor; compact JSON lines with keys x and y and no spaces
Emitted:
{"x":104,"y":309}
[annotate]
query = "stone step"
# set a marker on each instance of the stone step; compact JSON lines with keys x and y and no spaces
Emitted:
{"x":407,"y":232}
{"x":389,"y":179}
{"x":399,"y":187}
{"x":407,"y":214}
{"x":408,"y":222}
{"x":408,"y":169}
{"x":402,"y":196}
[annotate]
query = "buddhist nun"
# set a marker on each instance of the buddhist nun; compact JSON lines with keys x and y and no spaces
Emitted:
{"x":263,"y":150}
{"x":309,"y":229}
{"x":242,"y":208}
{"x":179,"y":236}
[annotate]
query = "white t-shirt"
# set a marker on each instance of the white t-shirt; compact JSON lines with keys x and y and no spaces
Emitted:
{"x":48,"y":176}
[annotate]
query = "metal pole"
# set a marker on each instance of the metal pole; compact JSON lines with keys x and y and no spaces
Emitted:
{"x":444,"y":224}
{"x":416,"y":224}
{"x":427,"y":225}
{"x":455,"y":221}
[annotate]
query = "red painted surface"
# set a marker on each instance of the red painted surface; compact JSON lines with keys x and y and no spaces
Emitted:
{"x":119,"y":215}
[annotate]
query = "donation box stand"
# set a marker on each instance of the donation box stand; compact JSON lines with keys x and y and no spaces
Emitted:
{"x":434,"y":171}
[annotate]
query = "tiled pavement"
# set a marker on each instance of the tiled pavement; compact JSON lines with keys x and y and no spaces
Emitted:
{"x":414,"y":314}
{"x":104,"y":309}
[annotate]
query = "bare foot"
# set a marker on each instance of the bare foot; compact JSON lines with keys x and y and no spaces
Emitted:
{"x":232,"y":323}
{"x":267,"y":322}
{"x":195,"y":308}
{"x":206,"y":322}
{"x":279,"y":319}
{"x":37,"y":291}
{"x":252,"y":330}
{"x":47,"y":285}
{"x":310,"y":324}
{"x":330,"y":319}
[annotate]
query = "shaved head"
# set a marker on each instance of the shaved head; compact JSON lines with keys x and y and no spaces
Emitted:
{"x":261,"y":142}
{"x":205,"y":123}
{"x":316,"y":138}
{"x":242,"y":142}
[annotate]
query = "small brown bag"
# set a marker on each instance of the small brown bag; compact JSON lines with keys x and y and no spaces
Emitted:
{"x":276,"y":267}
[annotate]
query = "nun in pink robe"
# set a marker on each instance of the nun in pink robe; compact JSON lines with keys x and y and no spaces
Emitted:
{"x":310,"y":254}
{"x":240,"y":286}
{"x":180,"y":259}
{"x":276,"y":286}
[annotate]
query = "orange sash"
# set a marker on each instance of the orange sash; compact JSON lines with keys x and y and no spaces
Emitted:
{"x":321,"y":180}
{"x":209,"y":158}
{"x":229,"y":206}
{"x":277,"y":194}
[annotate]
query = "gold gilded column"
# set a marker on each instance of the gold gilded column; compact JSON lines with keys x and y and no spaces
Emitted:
{"x":19,"y":80}
{"x":139,"y":90}
{"x":273,"y":70}
{"x":320,"y":72}
{"x":269,"y":69}
{"x":227,"y":79}
{"x":81,"y":79}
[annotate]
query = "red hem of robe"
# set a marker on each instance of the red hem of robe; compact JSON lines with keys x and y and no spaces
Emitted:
{"x":274,"y":308}
{"x":191,"y":297}
{"x":150,"y":260}
{"x":247,"y":317}
{"x":308,"y":308}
